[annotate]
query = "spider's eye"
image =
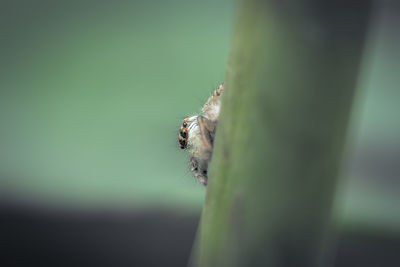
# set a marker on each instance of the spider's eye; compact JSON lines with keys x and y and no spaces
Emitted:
{"x":184,"y":133}
{"x":184,"y":124}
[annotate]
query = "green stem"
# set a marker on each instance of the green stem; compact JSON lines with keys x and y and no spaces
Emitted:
{"x":290,"y":81}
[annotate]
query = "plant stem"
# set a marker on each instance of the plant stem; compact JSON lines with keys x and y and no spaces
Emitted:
{"x":290,"y":82}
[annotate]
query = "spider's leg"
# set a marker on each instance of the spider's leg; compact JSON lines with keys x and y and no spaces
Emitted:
{"x":201,"y":178}
{"x":199,"y":170}
{"x":207,"y":130}
{"x":212,"y":106}
{"x":219,"y":90}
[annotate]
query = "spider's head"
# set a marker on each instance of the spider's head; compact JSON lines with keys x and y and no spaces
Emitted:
{"x":184,"y":131}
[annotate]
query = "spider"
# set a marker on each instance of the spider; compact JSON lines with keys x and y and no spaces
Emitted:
{"x":197,"y":135}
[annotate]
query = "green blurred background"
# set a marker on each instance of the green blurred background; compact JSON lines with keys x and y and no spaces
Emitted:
{"x":93,"y":93}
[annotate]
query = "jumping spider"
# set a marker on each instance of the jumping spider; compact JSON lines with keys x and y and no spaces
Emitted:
{"x":197,"y":135}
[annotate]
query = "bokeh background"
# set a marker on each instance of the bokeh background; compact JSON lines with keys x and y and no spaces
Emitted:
{"x":92,"y":94}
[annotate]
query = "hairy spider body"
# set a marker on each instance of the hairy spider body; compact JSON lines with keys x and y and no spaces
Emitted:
{"x":197,"y":135}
